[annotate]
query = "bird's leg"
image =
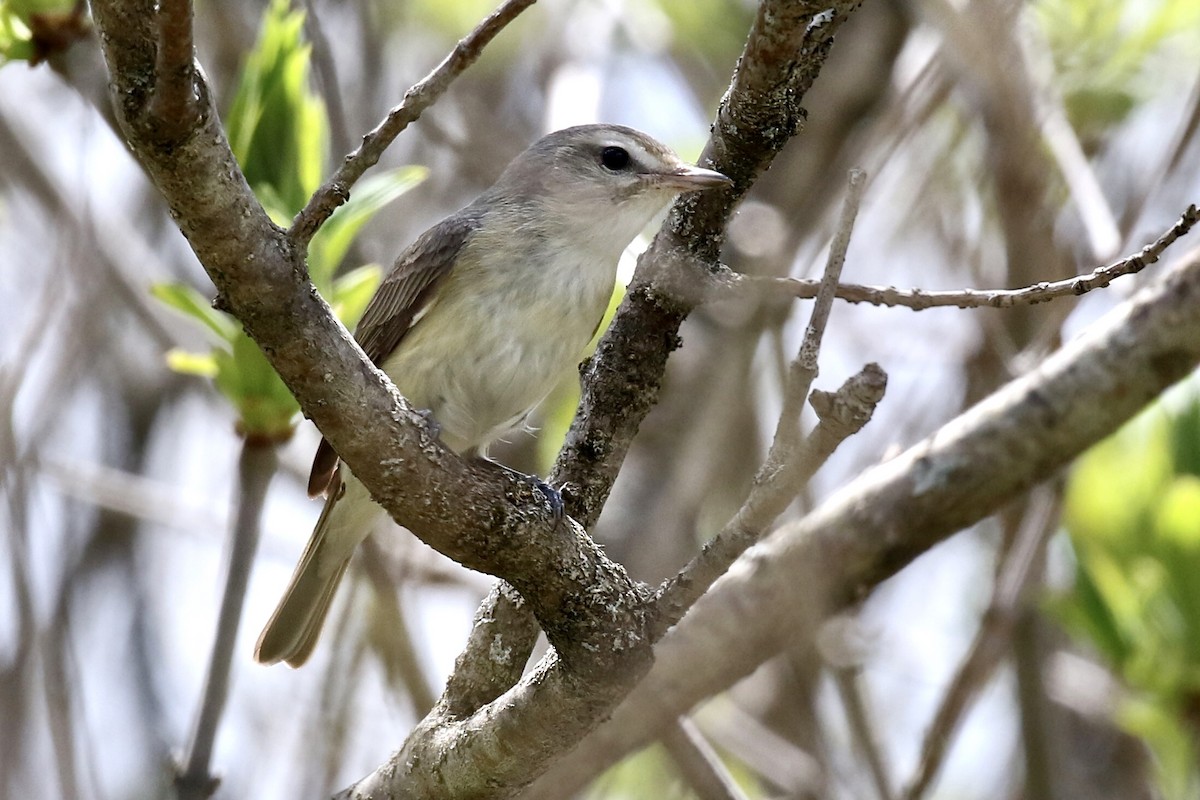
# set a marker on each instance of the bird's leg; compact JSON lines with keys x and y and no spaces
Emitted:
{"x":552,"y":495}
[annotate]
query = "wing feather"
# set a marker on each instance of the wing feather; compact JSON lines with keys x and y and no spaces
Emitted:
{"x":397,"y":305}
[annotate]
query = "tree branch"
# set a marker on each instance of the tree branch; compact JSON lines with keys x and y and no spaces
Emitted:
{"x":759,"y":114}
{"x":421,"y":96}
{"x":173,"y":101}
{"x":727,"y":283}
{"x":1023,"y":434}
{"x":783,"y":474}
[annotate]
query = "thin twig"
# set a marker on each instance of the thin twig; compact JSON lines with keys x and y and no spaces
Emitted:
{"x":991,"y":642}
{"x":336,"y":190}
{"x":792,"y":459}
{"x":256,"y":466}
{"x":804,"y":368}
{"x":728,"y":283}
{"x":698,"y":762}
{"x":173,"y":104}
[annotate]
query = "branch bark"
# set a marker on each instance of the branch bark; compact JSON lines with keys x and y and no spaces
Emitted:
{"x":1021,"y":435}
{"x":759,"y":114}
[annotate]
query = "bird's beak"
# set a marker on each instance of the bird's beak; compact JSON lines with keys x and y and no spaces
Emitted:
{"x":686,"y":178}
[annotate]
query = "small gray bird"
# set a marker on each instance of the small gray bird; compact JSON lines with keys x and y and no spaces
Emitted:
{"x":481,"y":317}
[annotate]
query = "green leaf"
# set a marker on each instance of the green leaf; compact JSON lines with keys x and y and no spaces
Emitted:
{"x":191,"y":303}
{"x":265,"y":406}
{"x":277,"y":126}
{"x":203,"y":365}
{"x":1087,"y":614}
{"x":15,"y":37}
{"x":353,"y":291}
{"x":1185,"y":439}
{"x":330,"y":244}
{"x":1178,"y":539}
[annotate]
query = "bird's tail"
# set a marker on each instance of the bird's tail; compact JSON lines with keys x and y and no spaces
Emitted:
{"x":291,"y":633}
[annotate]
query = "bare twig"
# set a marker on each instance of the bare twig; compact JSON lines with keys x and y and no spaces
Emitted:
{"x":791,"y":461}
{"x":255,"y":470}
{"x":336,"y":190}
{"x":173,"y":103}
{"x":804,"y":368}
{"x":876,"y":525}
{"x":991,"y":644}
{"x":728,"y":283}
{"x":840,"y":415}
{"x":699,"y":763}
{"x":758,"y":115}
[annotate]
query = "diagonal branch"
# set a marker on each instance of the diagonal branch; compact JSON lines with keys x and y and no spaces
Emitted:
{"x":1023,"y":434}
{"x":421,"y":96}
{"x":793,"y":458}
{"x":759,"y":114}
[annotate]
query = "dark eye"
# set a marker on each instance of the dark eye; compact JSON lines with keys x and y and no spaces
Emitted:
{"x":614,"y":158}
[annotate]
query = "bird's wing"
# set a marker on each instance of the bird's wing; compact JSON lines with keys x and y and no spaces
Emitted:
{"x":397,"y":306}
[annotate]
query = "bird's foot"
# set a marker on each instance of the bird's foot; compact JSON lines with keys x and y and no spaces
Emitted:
{"x":432,"y":425}
{"x":552,"y":495}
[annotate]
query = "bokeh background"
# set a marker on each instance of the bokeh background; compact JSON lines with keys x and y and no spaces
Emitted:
{"x":1006,"y":143}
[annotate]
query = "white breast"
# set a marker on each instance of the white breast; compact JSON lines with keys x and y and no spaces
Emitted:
{"x":501,"y":334}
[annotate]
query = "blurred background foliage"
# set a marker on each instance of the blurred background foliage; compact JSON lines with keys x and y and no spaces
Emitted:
{"x":1133,"y":515}
{"x":1070,"y":135}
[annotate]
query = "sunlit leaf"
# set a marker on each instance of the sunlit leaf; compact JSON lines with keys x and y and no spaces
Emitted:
{"x":331,"y":242}
{"x":277,"y":126}
{"x":203,"y":365}
{"x":353,"y":291}
{"x":188,"y":301}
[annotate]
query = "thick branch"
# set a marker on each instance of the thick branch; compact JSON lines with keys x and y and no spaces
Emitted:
{"x":1021,"y":435}
{"x":759,"y":114}
{"x":588,"y":607}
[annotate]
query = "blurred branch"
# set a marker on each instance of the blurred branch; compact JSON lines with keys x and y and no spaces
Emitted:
{"x":327,"y":78}
{"x":849,"y":685}
{"x":1095,"y":212}
{"x":1181,"y":141}
{"x":699,"y":763}
{"x":256,"y":467}
{"x":394,"y":641}
{"x":728,"y":283}
{"x":877,"y":524}
{"x":116,"y":242}
{"x":423,"y":94}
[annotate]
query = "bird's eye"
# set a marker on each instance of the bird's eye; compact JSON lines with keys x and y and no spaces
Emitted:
{"x":614,"y":158}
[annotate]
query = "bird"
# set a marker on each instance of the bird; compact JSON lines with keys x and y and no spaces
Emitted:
{"x":481,"y":317}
